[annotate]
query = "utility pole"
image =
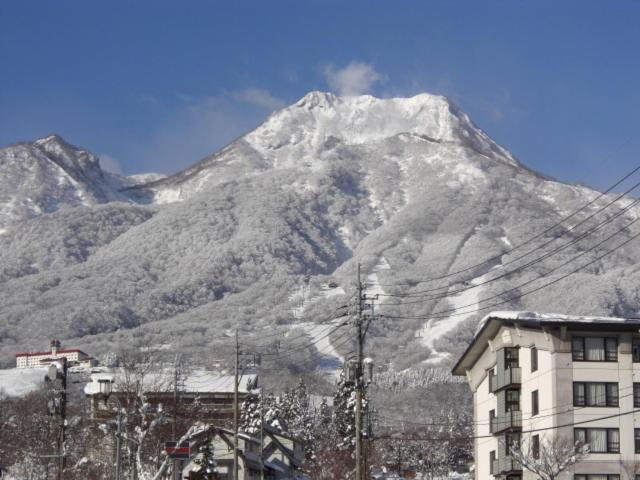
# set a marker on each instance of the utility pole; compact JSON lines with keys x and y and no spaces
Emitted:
{"x":118,"y":441}
{"x":175,"y":413}
{"x":262,"y":433}
{"x":235,"y":410}
{"x":63,"y":418}
{"x":359,"y":371}
{"x":362,"y":323}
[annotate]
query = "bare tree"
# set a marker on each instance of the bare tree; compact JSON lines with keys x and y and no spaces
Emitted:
{"x":548,"y":458}
{"x":631,"y":468}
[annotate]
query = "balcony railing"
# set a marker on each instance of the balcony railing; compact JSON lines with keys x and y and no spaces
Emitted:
{"x":508,"y":421}
{"x":507,"y":378}
{"x":505,"y":466}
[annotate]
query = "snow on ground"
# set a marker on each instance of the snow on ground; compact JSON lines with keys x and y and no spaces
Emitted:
{"x":299,"y":299}
{"x":302,"y":297}
{"x":330,"y":361}
{"x":167,"y":195}
{"x":436,"y":328}
{"x":16,"y":382}
{"x":506,"y":241}
{"x":373,"y":282}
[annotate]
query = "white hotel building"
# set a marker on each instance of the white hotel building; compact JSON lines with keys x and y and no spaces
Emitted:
{"x":534,"y":376}
{"x":74,"y":356}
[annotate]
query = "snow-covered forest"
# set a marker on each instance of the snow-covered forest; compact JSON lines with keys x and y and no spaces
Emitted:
{"x":265,"y":236}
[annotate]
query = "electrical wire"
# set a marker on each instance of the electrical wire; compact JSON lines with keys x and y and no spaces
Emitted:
{"x":570,"y":405}
{"x":520,"y":268}
{"x":526,"y":242}
{"x":422,"y":317}
{"x":533,"y":430}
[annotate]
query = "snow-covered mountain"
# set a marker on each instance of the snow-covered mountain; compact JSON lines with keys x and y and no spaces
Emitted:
{"x":267,"y":232}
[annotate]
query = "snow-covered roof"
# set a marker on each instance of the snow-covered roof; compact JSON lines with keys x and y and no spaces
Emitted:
{"x":197,"y":381}
{"x":489,"y":325}
{"x":16,"y":382}
{"x":515,"y":315}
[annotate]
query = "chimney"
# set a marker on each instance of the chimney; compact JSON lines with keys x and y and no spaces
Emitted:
{"x":55,"y":345}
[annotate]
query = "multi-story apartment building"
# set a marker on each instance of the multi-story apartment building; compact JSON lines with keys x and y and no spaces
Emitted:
{"x":537,"y":376}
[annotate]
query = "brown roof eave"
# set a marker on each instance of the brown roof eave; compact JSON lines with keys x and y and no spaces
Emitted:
{"x":458,"y":369}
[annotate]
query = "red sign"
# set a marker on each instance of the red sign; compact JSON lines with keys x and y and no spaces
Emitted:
{"x":173,"y":450}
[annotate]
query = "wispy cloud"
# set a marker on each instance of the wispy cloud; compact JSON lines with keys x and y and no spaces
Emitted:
{"x":355,"y":78}
{"x":110,"y":164}
{"x":193,"y":127}
{"x":260,"y":98}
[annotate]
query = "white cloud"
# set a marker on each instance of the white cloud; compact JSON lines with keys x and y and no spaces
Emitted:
{"x":110,"y":164}
{"x":354,"y":79}
{"x":259,"y":97}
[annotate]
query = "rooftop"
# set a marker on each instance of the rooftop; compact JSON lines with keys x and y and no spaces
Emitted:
{"x":491,"y":323}
{"x":197,"y":381}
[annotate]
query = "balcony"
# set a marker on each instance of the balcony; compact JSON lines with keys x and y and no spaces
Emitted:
{"x":508,"y":378}
{"x":505,"y":466}
{"x":508,"y":421}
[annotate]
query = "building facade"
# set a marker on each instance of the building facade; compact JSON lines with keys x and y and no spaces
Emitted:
{"x":74,"y":357}
{"x":207,"y":393}
{"x":538,"y":377}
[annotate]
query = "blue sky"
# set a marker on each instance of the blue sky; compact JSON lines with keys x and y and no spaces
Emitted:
{"x":156,"y":85}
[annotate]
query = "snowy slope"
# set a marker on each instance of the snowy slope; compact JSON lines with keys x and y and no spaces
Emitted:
{"x":252,"y":235}
{"x":49,"y":174}
{"x":16,"y":382}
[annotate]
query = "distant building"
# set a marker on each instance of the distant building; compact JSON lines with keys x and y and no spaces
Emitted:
{"x":538,"y":377}
{"x":75,"y":357}
{"x":212,"y":393}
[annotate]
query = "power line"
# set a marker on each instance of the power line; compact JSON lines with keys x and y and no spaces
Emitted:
{"x":278,"y":356}
{"x":433,"y":316}
{"x":526,"y":242}
{"x":517,"y":269}
{"x":533,"y":430}
{"x":535,"y":417}
{"x":283,"y":333}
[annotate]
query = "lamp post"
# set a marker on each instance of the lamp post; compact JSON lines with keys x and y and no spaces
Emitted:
{"x":106,"y":386}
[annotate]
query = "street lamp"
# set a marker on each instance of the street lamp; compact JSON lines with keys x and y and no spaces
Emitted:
{"x":368,"y":364}
{"x":106,"y":387}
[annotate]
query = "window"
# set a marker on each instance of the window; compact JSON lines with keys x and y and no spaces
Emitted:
{"x":594,"y":349}
{"x":489,"y":376}
{"x":512,"y":402}
{"x":534,"y":359}
{"x":595,"y":394}
{"x":635,"y":350}
{"x":535,"y":446}
{"x":492,"y":458}
{"x":636,"y":395}
{"x":534,"y":403}
{"x":600,"y":440}
{"x":511,"y":439}
{"x":511,"y":358}
{"x":597,"y":476}
{"x":636,"y":437}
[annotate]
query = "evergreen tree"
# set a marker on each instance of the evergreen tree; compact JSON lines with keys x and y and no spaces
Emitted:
{"x":344,"y":401}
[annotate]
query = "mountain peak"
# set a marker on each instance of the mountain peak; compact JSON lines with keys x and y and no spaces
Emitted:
{"x":321,"y":117}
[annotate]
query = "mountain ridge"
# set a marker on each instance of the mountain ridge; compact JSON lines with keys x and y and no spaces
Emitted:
{"x":252,"y":235}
